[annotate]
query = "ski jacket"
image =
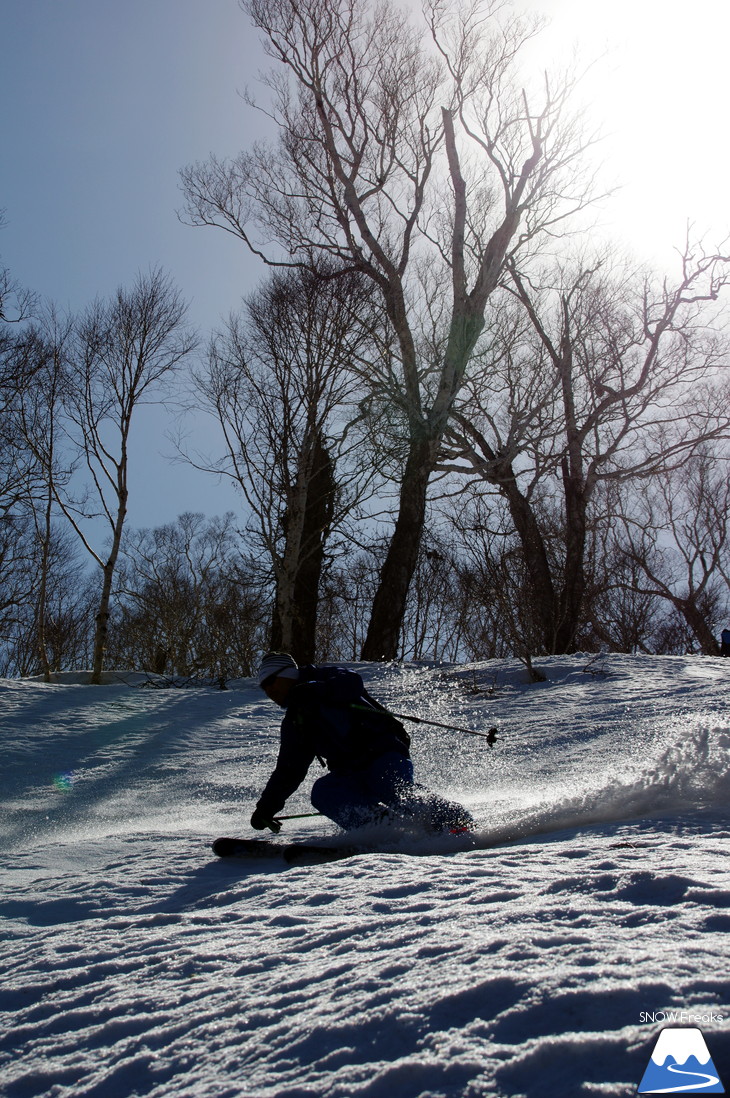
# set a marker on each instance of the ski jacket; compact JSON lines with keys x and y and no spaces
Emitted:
{"x":330,"y":716}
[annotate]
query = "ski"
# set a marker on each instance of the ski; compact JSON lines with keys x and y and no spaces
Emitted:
{"x":313,"y":853}
{"x":290,"y":853}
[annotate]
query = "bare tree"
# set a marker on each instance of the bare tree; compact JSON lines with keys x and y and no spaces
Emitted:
{"x":614,"y":379}
{"x":59,"y":640}
{"x":495,"y":582}
{"x":677,"y":536}
{"x":188,"y":601}
{"x":123,"y":349}
{"x":618,"y":615}
{"x":280,"y":383}
{"x":347,"y":589}
{"x":17,"y":304}
{"x":409,"y":154}
{"x":42,"y":611}
{"x":23,"y":354}
{"x":39,"y":423}
{"x":434,"y":622}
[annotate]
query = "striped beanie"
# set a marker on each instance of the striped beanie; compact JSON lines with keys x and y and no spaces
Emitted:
{"x":275,"y":664}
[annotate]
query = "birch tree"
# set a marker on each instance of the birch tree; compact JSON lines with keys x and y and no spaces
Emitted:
{"x":407,"y":151}
{"x":122,"y":350}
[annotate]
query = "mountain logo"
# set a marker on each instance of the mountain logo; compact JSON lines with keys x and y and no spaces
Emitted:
{"x":681,"y":1063}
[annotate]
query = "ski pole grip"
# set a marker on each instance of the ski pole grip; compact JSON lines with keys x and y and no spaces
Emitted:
{"x":274,"y":825}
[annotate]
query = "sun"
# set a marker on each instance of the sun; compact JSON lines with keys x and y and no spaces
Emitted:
{"x":657,"y":88}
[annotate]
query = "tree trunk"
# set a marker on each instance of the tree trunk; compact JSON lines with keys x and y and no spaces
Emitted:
{"x":41,"y":610}
{"x":294,"y":618}
{"x":287,"y":564}
{"x":574,"y":579}
{"x":317,"y":520}
{"x":542,"y":591}
{"x":102,"y":614}
{"x":102,"y":626}
{"x":698,"y":624}
{"x":389,"y":604}
{"x":575,"y":494}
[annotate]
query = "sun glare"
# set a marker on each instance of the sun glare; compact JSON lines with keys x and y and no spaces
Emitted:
{"x":658,"y":90}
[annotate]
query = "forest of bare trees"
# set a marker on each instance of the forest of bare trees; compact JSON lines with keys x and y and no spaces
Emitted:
{"x":456,"y":430}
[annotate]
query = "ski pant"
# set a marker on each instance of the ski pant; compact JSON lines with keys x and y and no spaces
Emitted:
{"x":354,"y":798}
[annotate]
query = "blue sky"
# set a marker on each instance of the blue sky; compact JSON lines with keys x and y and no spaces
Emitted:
{"x":105,"y":100}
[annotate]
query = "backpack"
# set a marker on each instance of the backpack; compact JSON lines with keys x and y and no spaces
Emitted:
{"x":372,"y":722}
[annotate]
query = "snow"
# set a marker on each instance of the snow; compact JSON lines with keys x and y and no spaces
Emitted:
{"x":137,"y":964}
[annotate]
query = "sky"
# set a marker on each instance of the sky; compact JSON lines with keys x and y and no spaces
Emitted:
{"x":104,"y":102}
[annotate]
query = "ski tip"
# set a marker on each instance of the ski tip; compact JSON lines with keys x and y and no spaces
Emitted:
{"x":227,"y":847}
{"x":223,"y":847}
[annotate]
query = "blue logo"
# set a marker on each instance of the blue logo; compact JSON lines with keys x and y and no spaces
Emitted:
{"x":681,"y":1063}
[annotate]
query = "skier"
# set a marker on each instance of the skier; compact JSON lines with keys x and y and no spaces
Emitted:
{"x":331,"y":716}
{"x":725,"y":642}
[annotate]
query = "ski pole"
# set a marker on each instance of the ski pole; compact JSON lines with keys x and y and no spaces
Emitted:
{"x":299,"y":816}
{"x":489,"y":736}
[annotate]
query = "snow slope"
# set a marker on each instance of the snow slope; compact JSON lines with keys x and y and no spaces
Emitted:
{"x":136,"y":964}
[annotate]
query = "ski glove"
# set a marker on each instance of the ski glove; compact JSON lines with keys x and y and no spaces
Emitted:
{"x":260,"y":821}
